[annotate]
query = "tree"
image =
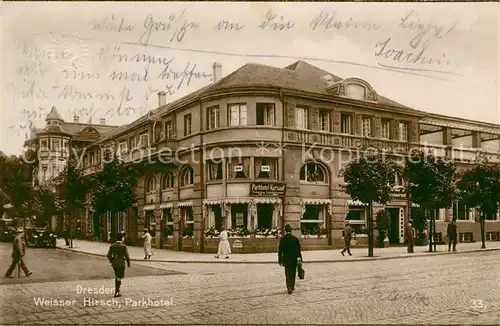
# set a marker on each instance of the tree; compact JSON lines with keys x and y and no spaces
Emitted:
{"x":47,"y":204}
{"x":383,"y":226}
{"x":113,"y":188}
{"x":71,"y":188}
{"x":369,"y":178}
{"x":431,"y":184}
{"x":16,"y":180}
{"x":479,"y":187}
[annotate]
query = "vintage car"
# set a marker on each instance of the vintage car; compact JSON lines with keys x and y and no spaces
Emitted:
{"x":39,"y":237}
{"x":7,"y":230}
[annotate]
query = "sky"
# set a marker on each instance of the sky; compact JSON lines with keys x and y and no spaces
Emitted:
{"x":109,"y":60}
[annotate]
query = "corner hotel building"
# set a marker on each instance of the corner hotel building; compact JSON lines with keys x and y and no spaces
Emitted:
{"x":272,"y":116}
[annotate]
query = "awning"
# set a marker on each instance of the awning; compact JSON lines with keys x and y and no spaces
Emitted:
{"x":354,"y":203}
{"x":415,"y":205}
{"x":267,"y":200}
{"x":212,"y":202}
{"x":166,"y":205}
{"x":185,"y":204}
{"x":238,"y":200}
{"x":315,"y":201}
{"x":149,"y":207}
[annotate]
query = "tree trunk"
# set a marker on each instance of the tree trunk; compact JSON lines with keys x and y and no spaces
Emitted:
{"x":431,"y":231}
{"x":436,"y":212}
{"x":370,"y":230}
{"x":483,"y":235}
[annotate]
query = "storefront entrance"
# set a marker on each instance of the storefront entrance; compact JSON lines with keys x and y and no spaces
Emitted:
{"x":394,"y":225}
{"x":265,"y":216}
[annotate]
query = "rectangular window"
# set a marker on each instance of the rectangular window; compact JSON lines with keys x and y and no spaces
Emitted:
{"x":461,"y":212}
{"x":324,"y":120}
{"x":135,"y":142}
{"x":403,"y":131}
{"x":214,"y":171}
{"x":302,"y":117}
{"x":239,"y":216}
{"x":123,"y":147}
{"x":144,"y":140}
{"x":167,"y":216}
{"x":213,"y":118}
{"x":265,"y":114}
{"x":238,"y":168}
{"x":238,"y":114}
{"x":386,"y":127}
{"x":366,"y":127}
{"x":43,"y":144}
{"x":345,"y":123}
{"x":357,"y":218}
{"x":187,"y":124}
{"x":266,"y":167}
{"x":313,"y":219}
{"x":169,"y":130}
{"x":56,"y":144}
{"x":44,"y":171}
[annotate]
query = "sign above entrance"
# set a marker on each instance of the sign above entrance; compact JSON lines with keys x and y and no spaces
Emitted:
{"x":267,"y":189}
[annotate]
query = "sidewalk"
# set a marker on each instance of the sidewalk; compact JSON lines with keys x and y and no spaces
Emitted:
{"x":315,"y":256}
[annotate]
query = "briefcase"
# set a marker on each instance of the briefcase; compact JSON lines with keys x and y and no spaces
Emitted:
{"x":301,"y":272}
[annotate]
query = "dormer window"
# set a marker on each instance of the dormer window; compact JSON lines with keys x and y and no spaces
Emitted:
{"x":353,"y":88}
{"x":355,"y":91}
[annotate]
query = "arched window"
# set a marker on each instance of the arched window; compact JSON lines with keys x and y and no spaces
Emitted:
{"x":187,"y":176}
{"x":150,"y":184}
{"x":313,"y":172}
{"x":168,"y":180}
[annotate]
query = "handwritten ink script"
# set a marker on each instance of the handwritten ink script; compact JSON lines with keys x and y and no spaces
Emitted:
{"x":415,"y":297}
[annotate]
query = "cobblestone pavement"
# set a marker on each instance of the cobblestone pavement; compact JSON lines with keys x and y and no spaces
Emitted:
{"x":458,"y":289}
{"x":50,"y":265}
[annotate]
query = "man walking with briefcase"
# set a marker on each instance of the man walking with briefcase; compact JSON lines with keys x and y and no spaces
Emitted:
{"x":290,"y":256}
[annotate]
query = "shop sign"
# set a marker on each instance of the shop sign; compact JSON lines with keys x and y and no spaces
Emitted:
{"x":239,"y":219}
{"x":267,"y":189}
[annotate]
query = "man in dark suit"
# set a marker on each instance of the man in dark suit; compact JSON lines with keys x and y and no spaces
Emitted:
{"x":452,"y":235}
{"x":290,"y":256}
{"x":18,"y":251}
{"x":347,"y":239}
{"x":117,"y":255}
{"x":410,"y":236}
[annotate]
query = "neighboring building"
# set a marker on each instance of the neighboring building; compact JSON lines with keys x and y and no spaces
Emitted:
{"x":236,"y":152}
{"x":54,"y":142}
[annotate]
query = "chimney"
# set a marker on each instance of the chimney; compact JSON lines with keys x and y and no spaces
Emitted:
{"x":103,"y":121}
{"x":75,"y":118}
{"x":162,"y":98}
{"x":217,"y":73}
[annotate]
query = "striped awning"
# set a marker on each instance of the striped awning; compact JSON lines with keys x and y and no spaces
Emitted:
{"x":166,"y":205}
{"x":185,"y":204}
{"x":354,"y":203}
{"x":316,"y":201}
{"x":238,"y":200}
{"x":267,"y":200}
{"x":212,"y":202}
{"x":149,"y":207}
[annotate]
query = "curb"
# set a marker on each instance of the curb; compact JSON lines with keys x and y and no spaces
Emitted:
{"x":364,"y":259}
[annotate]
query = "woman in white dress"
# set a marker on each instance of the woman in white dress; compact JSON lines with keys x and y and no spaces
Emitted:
{"x":147,"y":244}
{"x":224,"y":247}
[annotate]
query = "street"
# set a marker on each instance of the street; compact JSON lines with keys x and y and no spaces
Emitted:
{"x":454,"y":288}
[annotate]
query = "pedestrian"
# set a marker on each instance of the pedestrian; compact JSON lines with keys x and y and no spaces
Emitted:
{"x":18,"y":251}
{"x":289,"y":256}
{"x":147,"y":244}
{"x":117,"y":255}
{"x":452,"y":235}
{"x":410,"y":236}
{"x":66,"y":235}
{"x":347,"y":238}
{"x":224,"y":247}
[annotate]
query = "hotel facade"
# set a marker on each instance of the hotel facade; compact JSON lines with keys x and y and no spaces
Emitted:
{"x":264,"y":147}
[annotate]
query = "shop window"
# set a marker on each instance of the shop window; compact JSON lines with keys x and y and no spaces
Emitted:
{"x":187,"y":176}
{"x":168,"y":180}
{"x":238,"y":167}
{"x":239,"y":215}
{"x":188,"y":217}
{"x":266,"y":167}
{"x":357,"y":217}
{"x":148,"y":219}
{"x":217,"y":211}
{"x":312,"y":219}
{"x":214,"y":170}
{"x":312,"y":172}
{"x":167,"y":216}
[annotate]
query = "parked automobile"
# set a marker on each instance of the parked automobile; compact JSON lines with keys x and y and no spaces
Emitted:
{"x":7,"y":230}
{"x":39,"y":237}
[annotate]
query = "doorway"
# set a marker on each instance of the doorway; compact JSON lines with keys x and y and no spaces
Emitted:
{"x":265,"y":216}
{"x":393,"y":225}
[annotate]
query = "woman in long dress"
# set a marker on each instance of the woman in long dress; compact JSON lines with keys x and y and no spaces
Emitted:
{"x":147,"y":244}
{"x":224,"y":247}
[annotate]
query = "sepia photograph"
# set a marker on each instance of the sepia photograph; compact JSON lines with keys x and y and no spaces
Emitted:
{"x":250,"y":163}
